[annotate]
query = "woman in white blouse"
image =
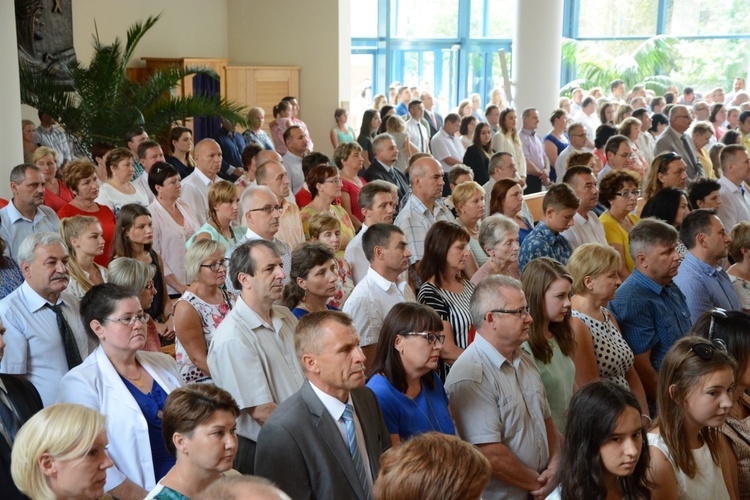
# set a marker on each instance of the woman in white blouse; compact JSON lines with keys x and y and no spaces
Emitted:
{"x":119,"y":190}
{"x":174,"y":223}
{"x":508,"y":140}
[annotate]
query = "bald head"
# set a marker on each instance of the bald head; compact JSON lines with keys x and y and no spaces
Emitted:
{"x":208,"y":157}
{"x":423,"y":166}
{"x":266,"y":156}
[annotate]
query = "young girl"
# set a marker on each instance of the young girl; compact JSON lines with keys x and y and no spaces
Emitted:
{"x":694,"y":396}
{"x":551,"y":343}
{"x":326,"y":229}
{"x":604,"y":446}
{"x":83,"y":237}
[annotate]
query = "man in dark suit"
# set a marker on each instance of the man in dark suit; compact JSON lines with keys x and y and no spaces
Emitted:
{"x":19,"y":401}
{"x":325,"y":441}
{"x":382,"y":167}
{"x":433,"y":118}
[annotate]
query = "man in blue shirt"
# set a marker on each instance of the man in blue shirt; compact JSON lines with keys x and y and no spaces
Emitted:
{"x":701,"y":278}
{"x":650,"y":309}
{"x":559,"y":205}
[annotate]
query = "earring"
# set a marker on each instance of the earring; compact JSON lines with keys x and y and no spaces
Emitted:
{"x":304,"y":297}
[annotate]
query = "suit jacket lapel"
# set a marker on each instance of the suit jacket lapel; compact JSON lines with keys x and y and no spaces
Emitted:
{"x":329,"y":431}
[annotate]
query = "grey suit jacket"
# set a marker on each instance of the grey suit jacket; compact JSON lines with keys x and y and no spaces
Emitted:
{"x":669,"y":140}
{"x":300,"y":447}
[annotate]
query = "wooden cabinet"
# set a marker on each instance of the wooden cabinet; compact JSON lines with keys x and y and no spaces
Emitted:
{"x":262,"y":86}
{"x":186,"y":85}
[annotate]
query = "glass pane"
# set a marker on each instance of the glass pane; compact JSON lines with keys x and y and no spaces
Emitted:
{"x":420,"y":19}
{"x":617,"y":18}
{"x":361,"y":87}
{"x":707,"y":17}
{"x":411,"y":68}
{"x":476,"y":74}
{"x":706,"y":64}
{"x":364,"y":18}
{"x":497,"y":22}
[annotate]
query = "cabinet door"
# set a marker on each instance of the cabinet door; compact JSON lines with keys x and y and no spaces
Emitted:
{"x":261,"y":86}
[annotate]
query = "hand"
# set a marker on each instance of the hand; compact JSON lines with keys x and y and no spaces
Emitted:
{"x":547,"y":480}
{"x":544,"y":177}
{"x":166,"y":330}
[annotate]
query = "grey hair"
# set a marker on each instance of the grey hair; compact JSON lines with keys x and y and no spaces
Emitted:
{"x":18,"y":173}
{"x":242,"y":260}
{"x":496,"y":161}
{"x":130,"y":273}
{"x":32,"y":241}
{"x":249,"y":194}
{"x":494,"y":229}
{"x":649,"y":233}
{"x":377,"y":142}
{"x":486,"y":297}
{"x":198,"y":252}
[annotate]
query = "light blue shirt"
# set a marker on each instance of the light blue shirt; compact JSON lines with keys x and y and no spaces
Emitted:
{"x":705,"y":287}
{"x":14,"y":227}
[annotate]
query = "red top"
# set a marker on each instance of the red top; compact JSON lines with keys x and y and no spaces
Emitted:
{"x":106,"y":218}
{"x":353,"y":190}
{"x":56,"y":202}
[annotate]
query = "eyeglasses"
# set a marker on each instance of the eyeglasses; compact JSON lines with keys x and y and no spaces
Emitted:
{"x":627,"y":156}
{"x":715,"y":312}
{"x":335,"y":180}
{"x":520,"y":313}
{"x":130,"y":320}
{"x":628,"y":194}
{"x":431,"y":337}
{"x":216,"y":266}
{"x":268,"y":209}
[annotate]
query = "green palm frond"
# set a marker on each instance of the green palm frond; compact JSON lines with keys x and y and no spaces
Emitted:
{"x":135,"y":33}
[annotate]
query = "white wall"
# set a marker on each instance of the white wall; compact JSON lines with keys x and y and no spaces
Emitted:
{"x":297,"y":33}
{"x":11,"y":150}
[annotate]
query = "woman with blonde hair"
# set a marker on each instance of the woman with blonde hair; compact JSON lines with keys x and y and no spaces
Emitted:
{"x":507,"y":140}
{"x":60,"y":453}
{"x":56,"y":193}
{"x":623,"y":112}
{"x":83,"y":238}
{"x":223,"y":209}
{"x":702,"y":133}
{"x":739,"y":272}
{"x":256,"y":116}
{"x":201,"y":308}
{"x":600,"y":352}
{"x":396,"y":127}
{"x":468,"y":199}
{"x":551,"y":343}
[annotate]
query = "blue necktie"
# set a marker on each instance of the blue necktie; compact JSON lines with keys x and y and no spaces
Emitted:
{"x":9,"y":421}
{"x":351,"y":438}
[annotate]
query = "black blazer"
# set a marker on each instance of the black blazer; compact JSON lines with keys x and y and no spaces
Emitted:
{"x":300,"y":447}
{"x":377,"y":171}
{"x":479,"y":163}
{"x":24,"y":396}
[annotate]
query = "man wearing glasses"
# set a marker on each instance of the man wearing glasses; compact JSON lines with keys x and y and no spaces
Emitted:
{"x":619,"y":154}
{"x":674,"y":138}
{"x":577,"y":135}
{"x":497,"y":397}
{"x":262,"y":214}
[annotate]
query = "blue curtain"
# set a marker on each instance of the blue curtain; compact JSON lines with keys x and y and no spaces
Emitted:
{"x":207,"y":126}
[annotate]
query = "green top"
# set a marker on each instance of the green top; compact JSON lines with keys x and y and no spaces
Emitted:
{"x":558,"y":377}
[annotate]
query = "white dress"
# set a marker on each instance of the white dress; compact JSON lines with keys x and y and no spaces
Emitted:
{"x":708,"y":483}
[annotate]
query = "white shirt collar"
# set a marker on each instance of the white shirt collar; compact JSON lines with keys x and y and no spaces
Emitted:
{"x":333,"y":406}
{"x":203,"y":177}
{"x":383,"y":283}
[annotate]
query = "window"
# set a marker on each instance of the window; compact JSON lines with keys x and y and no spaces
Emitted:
{"x":492,"y":18}
{"x":617,"y":18}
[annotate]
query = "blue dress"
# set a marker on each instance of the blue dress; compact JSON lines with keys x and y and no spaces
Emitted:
{"x":523,"y":233}
{"x":560,"y":145}
{"x":152,"y":407}
{"x":299,"y":312}
{"x":405,"y":416}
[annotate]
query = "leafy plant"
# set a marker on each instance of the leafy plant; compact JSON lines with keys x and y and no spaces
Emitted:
{"x":103,"y":104}
{"x":597,"y":68}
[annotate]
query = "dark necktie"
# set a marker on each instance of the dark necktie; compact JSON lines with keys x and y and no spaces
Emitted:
{"x":72,"y":356}
{"x":9,"y":421}
{"x":691,"y":156}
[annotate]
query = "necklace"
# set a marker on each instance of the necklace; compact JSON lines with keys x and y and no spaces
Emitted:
{"x":137,"y":380}
{"x":432,"y":410}
{"x":471,"y":231}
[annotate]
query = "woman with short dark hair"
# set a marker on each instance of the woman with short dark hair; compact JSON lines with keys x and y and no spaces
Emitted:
{"x":324,"y":183}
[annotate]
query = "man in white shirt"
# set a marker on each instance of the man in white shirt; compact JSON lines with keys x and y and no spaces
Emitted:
{"x":735,"y":165}
{"x":418,"y":135}
{"x":252,"y":352}
{"x":586,"y":225}
{"x":446,"y":146}
{"x":381,"y":288}
{"x":296,"y":148}
{"x":577,"y":136}
{"x":196,"y":185}
{"x":645,"y":142}
{"x":149,"y":152}
{"x":587,"y":117}
{"x":376,"y":201}
{"x":37,"y":348}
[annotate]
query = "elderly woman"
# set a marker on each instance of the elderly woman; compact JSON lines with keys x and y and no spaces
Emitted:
{"x":508,"y":140}
{"x":477,"y":155}
{"x":83,"y":238}
{"x":223,"y":210}
{"x":119,"y":191}
{"x":324,"y":183}
{"x":498,"y":237}
{"x":313,"y":279}
{"x":396,"y":127}
{"x":128,"y":385}
{"x":403,"y":375}
{"x":80,"y":177}
{"x":255,"y":134}
{"x":201,"y":308}
{"x":348,"y":157}
{"x":181,"y":144}
{"x":701,"y":135}
{"x":667,"y":170}
{"x":61,"y":453}
{"x":56,"y":194}
{"x":139,"y":277}
{"x":199,"y":430}
{"x":468,"y":199}
{"x":174,"y":223}
{"x":507,"y":199}
{"x":446,"y":288}
{"x":326,"y":229}
{"x":618,"y":191}
{"x":739,"y":272}
{"x":600,"y":351}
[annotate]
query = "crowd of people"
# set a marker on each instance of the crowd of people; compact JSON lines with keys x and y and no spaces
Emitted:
{"x":450,"y":307}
